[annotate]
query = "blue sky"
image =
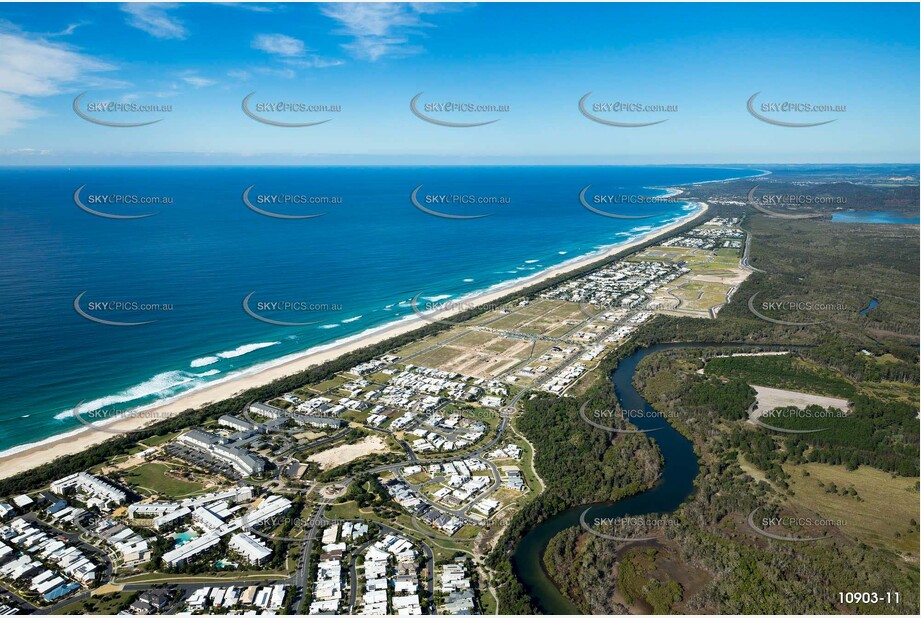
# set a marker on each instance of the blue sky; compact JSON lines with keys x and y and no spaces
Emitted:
{"x":537,"y":59}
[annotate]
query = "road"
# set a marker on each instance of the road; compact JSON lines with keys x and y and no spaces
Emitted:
{"x":429,"y":554}
{"x":745,"y":254}
{"x":87,"y":548}
{"x":302,"y":574}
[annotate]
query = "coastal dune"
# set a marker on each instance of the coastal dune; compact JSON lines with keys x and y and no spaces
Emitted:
{"x":80,"y":440}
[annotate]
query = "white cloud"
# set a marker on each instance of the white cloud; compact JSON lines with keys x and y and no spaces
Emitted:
{"x":196,"y":80}
{"x":381,"y":29}
{"x":37,"y":68}
{"x":279,"y":45}
{"x":29,"y":152}
{"x":69,"y":29}
{"x":34,"y":67}
{"x":155,"y":20}
{"x":313,"y":62}
{"x":291,"y":53}
{"x":283,"y":72}
{"x":14,"y":112}
{"x":247,"y":6}
{"x":240,"y":75}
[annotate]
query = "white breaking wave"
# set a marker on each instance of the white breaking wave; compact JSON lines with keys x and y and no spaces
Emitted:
{"x":162,"y":384}
{"x":531,"y":261}
{"x":204,"y":361}
{"x":210,"y":372}
{"x":246,"y":349}
{"x":326,"y":326}
{"x":468,"y":280}
{"x":437,"y":298}
{"x":355,"y":319}
{"x":171,"y":390}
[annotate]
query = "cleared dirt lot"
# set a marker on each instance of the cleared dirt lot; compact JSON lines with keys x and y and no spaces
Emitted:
{"x":771,"y":398}
{"x":348,"y":452}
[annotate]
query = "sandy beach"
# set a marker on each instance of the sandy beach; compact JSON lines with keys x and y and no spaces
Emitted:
{"x":75,"y":442}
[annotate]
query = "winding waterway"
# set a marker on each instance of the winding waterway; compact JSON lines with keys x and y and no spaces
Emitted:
{"x":676,"y":483}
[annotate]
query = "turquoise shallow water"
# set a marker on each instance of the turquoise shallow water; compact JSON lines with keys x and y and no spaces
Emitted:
{"x":204,"y":251}
{"x":184,"y":537}
{"x":873,"y":217}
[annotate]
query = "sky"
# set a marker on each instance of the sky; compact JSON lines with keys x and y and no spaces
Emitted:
{"x":531,"y":62}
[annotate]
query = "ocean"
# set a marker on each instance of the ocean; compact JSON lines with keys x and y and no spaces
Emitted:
{"x":174,"y":283}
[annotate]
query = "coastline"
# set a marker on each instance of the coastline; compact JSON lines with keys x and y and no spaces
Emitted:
{"x":28,"y":456}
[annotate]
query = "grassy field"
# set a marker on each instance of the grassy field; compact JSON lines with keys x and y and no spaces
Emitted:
{"x":322,"y":387}
{"x":106,"y":604}
{"x":204,"y":578}
{"x":884,"y":516}
{"x":420,"y":345}
{"x":542,"y":317}
{"x":891,"y":391}
{"x":477,"y":353}
{"x":153,"y":477}
{"x":158,"y":440}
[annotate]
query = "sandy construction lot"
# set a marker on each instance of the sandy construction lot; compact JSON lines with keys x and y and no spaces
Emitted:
{"x":768,"y":399}
{"x":349,"y":452}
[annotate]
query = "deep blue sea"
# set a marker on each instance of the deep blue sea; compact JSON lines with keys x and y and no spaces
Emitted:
{"x":205,"y":251}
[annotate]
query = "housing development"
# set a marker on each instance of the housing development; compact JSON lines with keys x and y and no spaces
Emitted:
{"x":374,"y":491}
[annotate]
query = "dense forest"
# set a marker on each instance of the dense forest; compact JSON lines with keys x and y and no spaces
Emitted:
{"x":578,"y":463}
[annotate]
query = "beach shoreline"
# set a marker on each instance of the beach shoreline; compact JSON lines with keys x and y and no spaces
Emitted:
{"x":28,"y":456}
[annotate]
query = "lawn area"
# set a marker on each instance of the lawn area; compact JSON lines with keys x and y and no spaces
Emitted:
{"x":884,"y":516}
{"x":418,"y":478}
{"x":171,"y":578}
{"x":310,"y":391}
{"x":153,"y":477}
{"x":110,"y":603}
{"x":158,"y":440}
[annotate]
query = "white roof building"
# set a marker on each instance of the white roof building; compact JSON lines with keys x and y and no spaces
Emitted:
{"x":250,"y":548}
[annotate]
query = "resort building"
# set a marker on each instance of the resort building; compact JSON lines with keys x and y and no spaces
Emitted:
{"x":98,"y":492}
{"x":251,"y":549}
